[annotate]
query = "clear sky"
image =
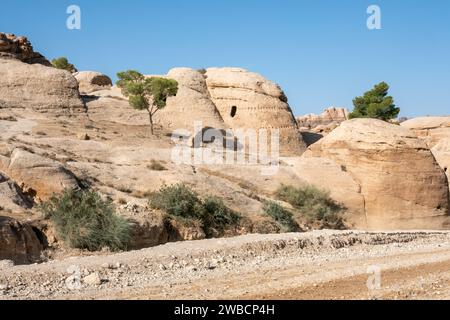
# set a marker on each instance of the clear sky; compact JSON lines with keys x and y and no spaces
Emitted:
{"x":320,"y":51}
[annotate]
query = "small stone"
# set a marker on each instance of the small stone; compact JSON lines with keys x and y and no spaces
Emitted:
{"x":6,"y":264}
{"x":83,"y":136}
{"x":162,"y":267}
{"x":191,"y":268}
{"x":93,"y":279}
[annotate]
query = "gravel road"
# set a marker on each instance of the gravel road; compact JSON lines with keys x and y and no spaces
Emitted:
{"x":314,"y":265}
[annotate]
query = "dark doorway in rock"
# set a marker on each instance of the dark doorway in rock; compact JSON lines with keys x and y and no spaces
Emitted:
{"x":233,"y":111}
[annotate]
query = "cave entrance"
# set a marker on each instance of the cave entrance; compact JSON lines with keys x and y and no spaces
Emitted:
{"x":233,"y":111}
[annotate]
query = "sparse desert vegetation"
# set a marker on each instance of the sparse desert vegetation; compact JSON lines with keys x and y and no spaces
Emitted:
{"x":82,"y":219}
{"x":315,"y":205}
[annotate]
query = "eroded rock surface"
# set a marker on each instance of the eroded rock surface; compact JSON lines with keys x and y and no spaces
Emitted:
{"x":400,"y":181}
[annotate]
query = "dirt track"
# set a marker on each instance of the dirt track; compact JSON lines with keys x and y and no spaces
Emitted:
{"x":317,"y":265}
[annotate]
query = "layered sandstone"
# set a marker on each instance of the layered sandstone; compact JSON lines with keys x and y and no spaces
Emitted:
{"x":191,"y":104}
{"x":37,"y":176}
{"x":247,"y":100}
{"x":37,"y":87}
{"x":435,"y":131}
{"x":431,"y":129}
{"x":399,"y":181}
{"x":13,"y":47}
{"x":325,"y":122}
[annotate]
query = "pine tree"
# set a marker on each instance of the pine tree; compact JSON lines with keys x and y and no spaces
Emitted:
{"x":149,"y":94}
{"x":375,"y":104}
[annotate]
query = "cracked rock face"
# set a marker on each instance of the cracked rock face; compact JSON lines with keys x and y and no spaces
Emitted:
{"x":398,"y":179}
{"x":435,"y":131}
{"x":37,"y":87}
{"x":13,"y":47}
{"x":18,"y":242}
{"x":37,"y":176}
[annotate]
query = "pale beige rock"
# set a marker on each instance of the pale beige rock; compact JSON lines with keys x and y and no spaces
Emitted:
{"x":401,"y":182}
{"x":37,"y":176}
{"x":441,"y":152}
{"x":38,"y":87}
{"x":325,"y":122}
{"x":18,"y":242}
{"x":108,"y":106}
{"x":247,"y":100}
{"x":431,"y":129}
{"x":191,"y":104}
{"x":435,"y":131}
{"x":90,"y":81}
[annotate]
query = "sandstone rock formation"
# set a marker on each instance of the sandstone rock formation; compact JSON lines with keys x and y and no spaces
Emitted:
{"x":191,"y":104}
{"x":325,"y":122}
{"x":435,"y":131}
{"x":400,"y":183}
{"x":37,"y":87}
{"x":431,"y":129}
{"x":11,"y":197}
{"x":37,"y":176}
{"x":90,"y":81}
{"x":12,"y":47}
{"x":246,"y":100}
{"x":18,"y":242}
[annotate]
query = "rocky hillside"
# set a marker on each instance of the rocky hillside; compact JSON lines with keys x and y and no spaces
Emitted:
{"x":60,"y":130}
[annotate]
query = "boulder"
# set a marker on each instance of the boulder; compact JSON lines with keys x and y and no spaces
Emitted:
{"x":11,"y":197}
{"x":38,"y":87}
{"x":90,"y":81}
{"x":401,"y":185}
{"x":431,"y":129}
{"x":37,"y":176}
{"x":435,"y":131}
{"x":18,"y":242}
{"x":191,"y":104}
{"x":441,"y":152}
{"x":247,"y":100}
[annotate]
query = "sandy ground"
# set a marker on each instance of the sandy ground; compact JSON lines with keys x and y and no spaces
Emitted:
{"x":316,"y":265}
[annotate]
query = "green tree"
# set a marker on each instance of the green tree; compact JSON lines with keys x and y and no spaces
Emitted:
{"x":375,"y":104}
{"x":144,"y":93}
{"x":63,"y":63}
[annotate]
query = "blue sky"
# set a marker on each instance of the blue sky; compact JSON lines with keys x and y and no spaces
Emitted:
{"x":320,"y":52}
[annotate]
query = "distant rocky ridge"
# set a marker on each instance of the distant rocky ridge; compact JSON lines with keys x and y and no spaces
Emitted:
{"x":325,"y":122}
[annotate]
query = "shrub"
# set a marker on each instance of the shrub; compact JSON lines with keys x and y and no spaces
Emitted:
{"x":181,"y":202}
{"x":85,"y":221}
{"x":217,"y":215}
{"x":283,"y":217}
{"x":315,"y":204}
{"x":63,"y":63}
{"x":156,"y":166}
{"x":177,"y":200}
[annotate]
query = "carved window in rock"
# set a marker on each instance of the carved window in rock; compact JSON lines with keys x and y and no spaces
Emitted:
{"x":233,"y":111}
